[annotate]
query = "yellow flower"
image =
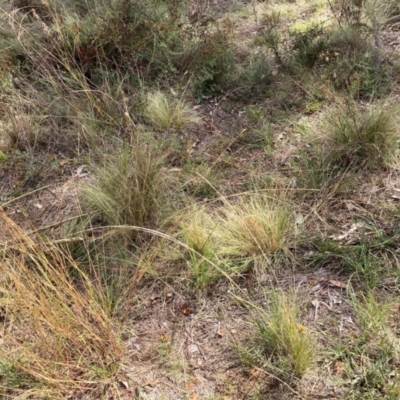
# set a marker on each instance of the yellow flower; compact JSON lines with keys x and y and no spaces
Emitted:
{"x":164,"y":338}
{"x":302,"y":329}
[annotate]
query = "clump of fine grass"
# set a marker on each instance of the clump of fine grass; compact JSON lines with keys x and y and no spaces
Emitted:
{"x":59,"y":338}
{"x":127,"y":189}
{"x":280,"y":345}
{"x":374,"y":316}
{"x":254,"y":225}
{"x":166,"y":114}
{"x":316,"y":177}
{"x":221,"y":240}
{"x":361,"y":138}
{"x":197,"y":232}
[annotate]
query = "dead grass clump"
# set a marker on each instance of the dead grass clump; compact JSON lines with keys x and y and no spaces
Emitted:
{"x":57,"y":339}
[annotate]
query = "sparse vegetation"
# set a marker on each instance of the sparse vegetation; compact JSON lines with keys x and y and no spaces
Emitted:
{"x":199,"y":199}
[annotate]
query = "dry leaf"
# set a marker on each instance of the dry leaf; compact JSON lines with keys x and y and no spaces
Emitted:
{"x":192,"y":384}
{"x":338,"y":369}
{"x":354,"y":333}
{"x":195,"y":396}
{"x":124,"y":384}
{"x":185,"y":310}
{"x":221,"y":333}
{"x":338,"y":284}
{"x":315,"y":303}
{"x":152,"y":383}
{"x":334,"y":300}
{"x":192,"y":348}
{"x":255,"y":374}
{"x":79,"y":170}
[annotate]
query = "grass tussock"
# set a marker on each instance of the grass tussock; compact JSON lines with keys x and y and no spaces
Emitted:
{"x":197,"y":231}
{"x":165,"y":114}
{"x":128,"y":188}
{"x":58,"y":340}
{"x":280,"y":344}
{"x":362,"y":138}
{"x":255,"y":224}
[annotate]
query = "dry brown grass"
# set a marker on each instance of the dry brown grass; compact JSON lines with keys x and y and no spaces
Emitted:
{"x":58,"y":340}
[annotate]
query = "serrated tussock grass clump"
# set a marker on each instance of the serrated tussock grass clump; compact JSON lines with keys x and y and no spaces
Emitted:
{"x":164,"y":113}
{"x":59,"y":337}
{"x":280,"y":344}
{"x":250,"y":226}
{"x":255,"y":224}
{"x":197,"y":230}
{"x":362,"y":138}
{"x":127,"y":188}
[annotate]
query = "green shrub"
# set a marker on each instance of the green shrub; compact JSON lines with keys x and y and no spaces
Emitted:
{"x":211,"y":61}
{"x":307,"y":46}
{"x":253,"y":79}
{"x":153,"y":39}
